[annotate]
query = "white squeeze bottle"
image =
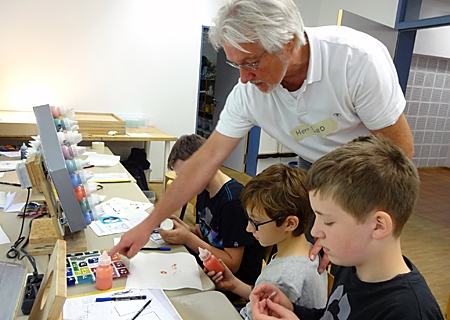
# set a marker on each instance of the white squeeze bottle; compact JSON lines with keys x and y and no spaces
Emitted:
{"x":104,"y":272}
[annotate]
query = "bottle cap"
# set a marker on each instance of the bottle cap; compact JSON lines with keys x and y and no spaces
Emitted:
{"x":85,"y":175}
{"x":166,"y":224}
{"x":105,"y":259}
{"x":76,"y":164}
{"x":68,"y":124}
{"x":69,"y":137}
{"x":203,"y":254}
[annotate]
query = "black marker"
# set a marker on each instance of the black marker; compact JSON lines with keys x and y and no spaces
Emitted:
{"x":142,"y":309}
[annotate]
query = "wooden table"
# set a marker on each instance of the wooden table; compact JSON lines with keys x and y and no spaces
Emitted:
{"x":147,"y":135}
{"x":188,"y":307}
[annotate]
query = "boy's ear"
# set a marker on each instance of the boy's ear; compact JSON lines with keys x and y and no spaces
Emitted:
{"x":383,"y":225}
{"x":291,"y":223}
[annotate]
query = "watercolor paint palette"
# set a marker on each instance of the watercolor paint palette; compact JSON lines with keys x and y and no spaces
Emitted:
{"x":81,"y":267}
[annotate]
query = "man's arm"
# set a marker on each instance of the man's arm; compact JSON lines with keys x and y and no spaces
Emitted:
{"x":193,"y":177}
{"x":400,"y":134}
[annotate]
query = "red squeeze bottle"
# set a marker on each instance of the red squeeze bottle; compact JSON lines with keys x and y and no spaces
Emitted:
{"x":210,"y":261}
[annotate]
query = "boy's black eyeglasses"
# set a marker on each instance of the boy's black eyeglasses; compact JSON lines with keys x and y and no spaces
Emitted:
{"x":249,"y":66}
{"x":256,"y":224}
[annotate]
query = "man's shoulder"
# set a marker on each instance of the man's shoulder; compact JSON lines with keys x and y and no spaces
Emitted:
{"x":343,"y":37}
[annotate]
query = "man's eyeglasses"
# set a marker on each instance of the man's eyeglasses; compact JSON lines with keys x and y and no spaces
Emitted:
{"x":249,"y":66}
{"x":256,"y":224}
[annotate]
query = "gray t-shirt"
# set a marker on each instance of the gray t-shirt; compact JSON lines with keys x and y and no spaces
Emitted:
{"x":298,"y":279}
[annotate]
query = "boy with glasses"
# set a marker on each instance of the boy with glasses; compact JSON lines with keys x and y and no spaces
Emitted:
{"x":278,"y":213}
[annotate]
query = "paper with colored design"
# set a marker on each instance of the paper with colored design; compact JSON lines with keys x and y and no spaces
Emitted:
{"x":168,"y":271}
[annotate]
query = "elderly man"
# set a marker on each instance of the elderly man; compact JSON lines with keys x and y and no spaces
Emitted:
{"x":312,"y":89}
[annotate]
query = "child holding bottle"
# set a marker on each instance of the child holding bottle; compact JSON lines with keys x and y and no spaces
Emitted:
{"x":220,"y":220}
{"x":278,"y":213}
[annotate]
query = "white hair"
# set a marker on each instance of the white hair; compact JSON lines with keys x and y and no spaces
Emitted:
{"x":270,"y":23}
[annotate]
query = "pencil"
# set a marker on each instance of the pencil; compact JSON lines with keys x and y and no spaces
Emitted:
{"x":272,"y":295}
{"x":142,"y":309}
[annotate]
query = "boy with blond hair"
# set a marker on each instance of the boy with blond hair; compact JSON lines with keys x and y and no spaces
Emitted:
{"x":278,"y":213}
{"x":362,"y":194}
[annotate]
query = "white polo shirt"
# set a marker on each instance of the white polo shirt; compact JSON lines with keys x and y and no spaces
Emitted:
{"x":351,"y":87}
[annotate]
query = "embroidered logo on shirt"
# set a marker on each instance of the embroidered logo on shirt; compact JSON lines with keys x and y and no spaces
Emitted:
{"x":321,"y":128}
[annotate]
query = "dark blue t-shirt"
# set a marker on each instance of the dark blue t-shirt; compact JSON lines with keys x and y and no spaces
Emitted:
{"x":222,"y":222}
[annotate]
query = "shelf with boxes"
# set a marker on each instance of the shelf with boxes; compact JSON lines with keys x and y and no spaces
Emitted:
{"x":206,"y":105}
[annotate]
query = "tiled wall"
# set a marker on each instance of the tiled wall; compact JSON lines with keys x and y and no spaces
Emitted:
{"x":427,"y":109}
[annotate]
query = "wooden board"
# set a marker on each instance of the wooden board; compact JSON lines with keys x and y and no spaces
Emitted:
{"x":17,"y":123}
{"x":53,"y":291}
{"x":45,"y":231}
{"x":43,"y":238}
{"x":99,"y":123}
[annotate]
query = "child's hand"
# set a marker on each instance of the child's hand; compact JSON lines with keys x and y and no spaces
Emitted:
{"x":267,"y":309}
{"x":178,"y":235}
{"x":267,"y":291}
{"x":224,"y":281}
{"x":177,"y":219}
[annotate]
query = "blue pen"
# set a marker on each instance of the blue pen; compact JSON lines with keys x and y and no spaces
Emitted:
{"x":156,"y":248}
{"x":140,"y":297}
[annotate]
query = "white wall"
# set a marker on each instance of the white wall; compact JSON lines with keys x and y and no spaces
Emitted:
{"x":381,"y":11}
{"x":430,"y":42}
{"x":120,"y":56}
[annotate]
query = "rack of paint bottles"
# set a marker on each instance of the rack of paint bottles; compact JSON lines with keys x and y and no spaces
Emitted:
{"x":68,"y":138}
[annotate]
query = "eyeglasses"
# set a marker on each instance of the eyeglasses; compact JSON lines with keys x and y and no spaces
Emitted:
{"x":256,"y":224}
{"x":249,"y":66}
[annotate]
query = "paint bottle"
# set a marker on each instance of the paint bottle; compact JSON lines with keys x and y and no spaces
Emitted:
{"x":70,"y":152}
{"x":23,"y":151}
{"x":64,"y":124}
{"x":61,"y":111}
{"x":210,"y":261}
{"x":104,"y":272}
{"x":75,"y":164}
{"x":80,"y":177}
{"x":166,"y":224}
{"x":69,"y":137}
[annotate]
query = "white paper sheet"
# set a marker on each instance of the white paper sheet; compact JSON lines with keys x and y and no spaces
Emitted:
{"x":168,"y":271}
{"x":6,"y":202}
{"x":122,"y":208}
{"x":110,"y":177}
{"x":3,"y":237}
{"x":107,"y":225}
{"x":10,"y":154}
{"x":102,"y":160}
{"x":9,"y":165}
{"x":86,"y":308}
{"x":139,"y":135}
